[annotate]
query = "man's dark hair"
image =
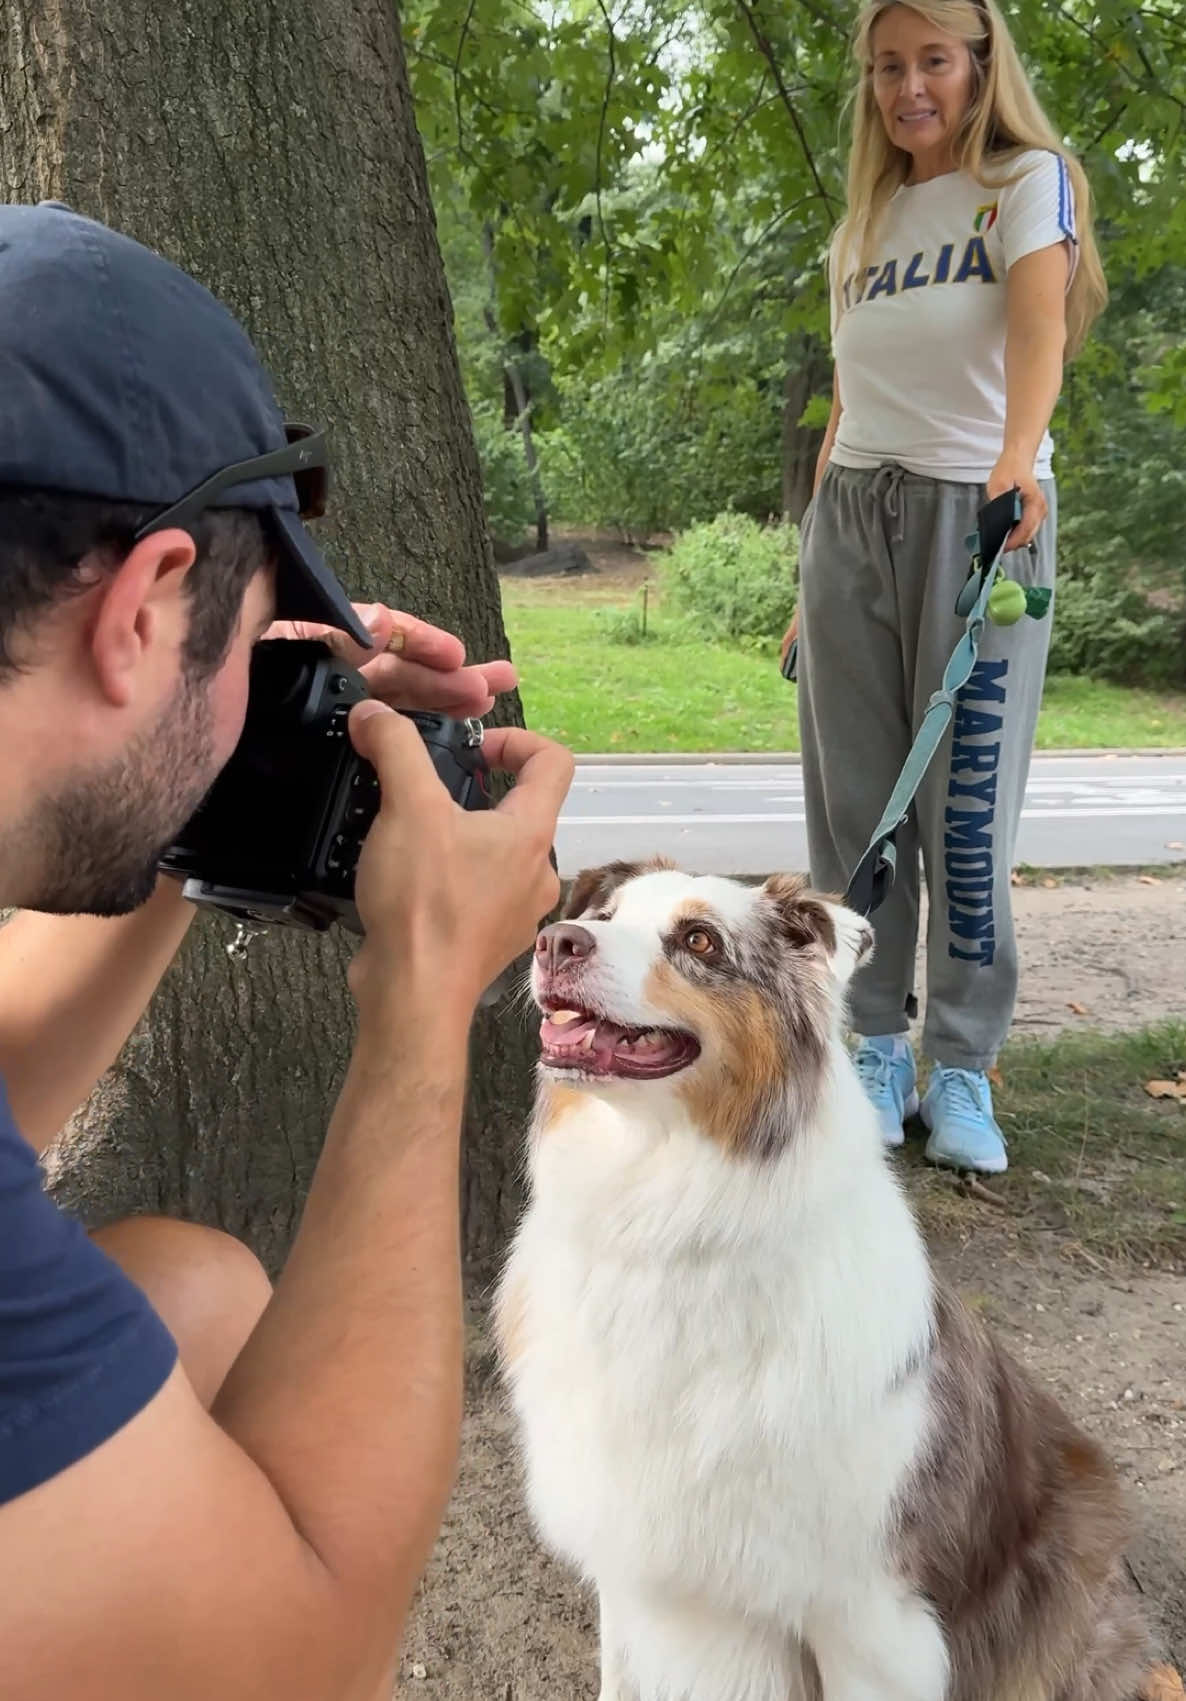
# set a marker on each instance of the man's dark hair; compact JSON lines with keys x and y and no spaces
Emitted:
{"x":46,"y":534}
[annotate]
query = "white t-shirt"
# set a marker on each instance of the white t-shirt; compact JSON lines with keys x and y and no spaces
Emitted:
{"x":920,"y":351}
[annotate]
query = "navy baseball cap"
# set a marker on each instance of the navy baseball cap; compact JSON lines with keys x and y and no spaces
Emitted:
{"x":121,"y":377}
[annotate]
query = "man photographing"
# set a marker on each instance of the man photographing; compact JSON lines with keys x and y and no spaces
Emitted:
{"x":208,"y":1489}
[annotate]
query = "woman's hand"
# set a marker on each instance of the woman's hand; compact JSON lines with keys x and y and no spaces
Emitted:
{"x":1009,"y":471}
{"x":789,"y":636}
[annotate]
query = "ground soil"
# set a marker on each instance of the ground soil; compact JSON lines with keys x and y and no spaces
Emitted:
{"x":499,"y":1621}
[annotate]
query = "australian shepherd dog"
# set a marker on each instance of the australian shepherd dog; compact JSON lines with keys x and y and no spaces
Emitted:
{"x":791,"y":1463}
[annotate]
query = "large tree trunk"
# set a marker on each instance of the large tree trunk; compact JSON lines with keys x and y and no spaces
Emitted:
{"x":806,"y":375}
{"x":272,"y":150}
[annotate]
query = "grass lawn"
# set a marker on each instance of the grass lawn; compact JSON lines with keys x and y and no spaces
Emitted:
{"x":599,"y":695}
{"x":1091,"y":1154}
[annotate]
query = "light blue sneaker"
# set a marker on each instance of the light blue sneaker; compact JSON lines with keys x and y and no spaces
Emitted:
{"x":964,"y":1133}
{"x":885,"y":1065}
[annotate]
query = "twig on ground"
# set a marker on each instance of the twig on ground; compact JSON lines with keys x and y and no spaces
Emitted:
{"x":972,"y":1188}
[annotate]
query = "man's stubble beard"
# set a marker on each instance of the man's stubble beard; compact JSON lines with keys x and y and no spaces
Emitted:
{"x":102,"y":835}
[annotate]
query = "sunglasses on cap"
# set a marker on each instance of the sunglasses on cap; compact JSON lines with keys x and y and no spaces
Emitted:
{"x":304,"y":458}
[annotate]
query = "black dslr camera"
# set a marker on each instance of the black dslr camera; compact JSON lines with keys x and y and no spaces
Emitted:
{"x":278,"y":835}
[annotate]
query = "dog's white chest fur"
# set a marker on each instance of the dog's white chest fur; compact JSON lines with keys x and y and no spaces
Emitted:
{"x":706,"y":1360}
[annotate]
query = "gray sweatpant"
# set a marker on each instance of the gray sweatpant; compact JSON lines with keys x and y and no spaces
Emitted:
{"x":883,"y":557}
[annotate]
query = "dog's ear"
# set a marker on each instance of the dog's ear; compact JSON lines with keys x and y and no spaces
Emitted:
{"x":809,"y":918}
{"x":854,"y":938}
{"x":593,"y":887}
{"x":804,"y":917}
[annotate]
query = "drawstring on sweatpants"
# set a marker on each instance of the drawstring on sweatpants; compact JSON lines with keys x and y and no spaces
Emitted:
{"x":886,"y":486}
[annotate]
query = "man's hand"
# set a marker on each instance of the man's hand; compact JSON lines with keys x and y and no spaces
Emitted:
{"x":413,"y":665}
{"x":444,"y":893}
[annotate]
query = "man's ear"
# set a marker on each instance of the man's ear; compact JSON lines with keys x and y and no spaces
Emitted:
{"x":140,"y":606}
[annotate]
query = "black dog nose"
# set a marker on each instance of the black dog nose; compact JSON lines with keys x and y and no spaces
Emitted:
{"x":563,"y":943}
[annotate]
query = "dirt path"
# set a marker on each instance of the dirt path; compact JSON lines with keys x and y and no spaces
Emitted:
{"x":498,"y":1621}
{"x":1114,"y":947}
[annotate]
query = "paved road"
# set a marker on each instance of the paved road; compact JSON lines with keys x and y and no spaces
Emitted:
{"x":743,"y":818}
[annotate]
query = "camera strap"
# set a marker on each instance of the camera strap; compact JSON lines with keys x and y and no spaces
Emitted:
{"x":873,"y":878}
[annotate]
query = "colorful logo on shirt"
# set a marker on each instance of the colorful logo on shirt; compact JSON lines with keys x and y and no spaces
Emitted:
{"x":986,"y":217}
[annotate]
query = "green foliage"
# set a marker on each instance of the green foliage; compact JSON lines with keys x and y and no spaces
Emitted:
{"x":635,"y":623}
{"x":1120,"y":609}
{"x":1117,"y":635}
{"x":643,"y":451}
{"x":735,"y":577}
{"x":506,"y":488}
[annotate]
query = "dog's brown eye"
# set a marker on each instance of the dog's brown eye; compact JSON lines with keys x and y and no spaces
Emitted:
{"x":700,"y":943}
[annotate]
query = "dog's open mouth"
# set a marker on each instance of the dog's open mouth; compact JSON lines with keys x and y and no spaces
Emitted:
{"x":588,"y":1044}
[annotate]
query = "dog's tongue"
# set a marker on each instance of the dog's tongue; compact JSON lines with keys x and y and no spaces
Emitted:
{"x":566,"y":1027}
{"x":569,"y":1030}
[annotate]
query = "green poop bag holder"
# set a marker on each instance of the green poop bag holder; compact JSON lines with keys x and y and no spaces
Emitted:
{"x":987,"y":595}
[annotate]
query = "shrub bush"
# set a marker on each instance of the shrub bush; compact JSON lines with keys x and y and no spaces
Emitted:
{"x":629,"y":625}
{"x":506,"y":487}
{"x":1119,"y":635}
{"x":641,"y":452}
{"x":736,"y":577}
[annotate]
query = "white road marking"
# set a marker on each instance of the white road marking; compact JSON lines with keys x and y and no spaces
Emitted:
{"x":707,"y":819}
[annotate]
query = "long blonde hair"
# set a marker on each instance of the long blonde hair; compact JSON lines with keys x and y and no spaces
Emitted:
{"x":1004,"y":119}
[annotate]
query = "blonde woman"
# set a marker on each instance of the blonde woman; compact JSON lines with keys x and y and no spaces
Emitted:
{"x":962,"y":277}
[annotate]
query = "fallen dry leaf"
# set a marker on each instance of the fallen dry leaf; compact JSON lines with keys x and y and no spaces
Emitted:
{"x":1168,"y":1089}
{"x":1163,"y":1684}
{"x":1077,"y":1009}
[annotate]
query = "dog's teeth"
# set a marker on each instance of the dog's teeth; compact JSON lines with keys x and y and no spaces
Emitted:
{"x":561,"y":1018}
{"x":587,"y":1042}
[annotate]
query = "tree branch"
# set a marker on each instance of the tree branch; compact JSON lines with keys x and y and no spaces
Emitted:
{"x":461,"y":40}
{"x":746,"y":255}
{"x":601,"y":124}
{"x":1151,"y":83}
{"x":762,"y":41}
{"x":1116,"y":114}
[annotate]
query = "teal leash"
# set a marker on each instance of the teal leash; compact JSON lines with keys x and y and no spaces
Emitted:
{"x":873,"y":878}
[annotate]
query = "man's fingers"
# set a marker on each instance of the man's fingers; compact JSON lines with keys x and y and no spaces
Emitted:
{"x":500,"y":676}
{"x":459,"y":691}
{"x":394,"y":633}
{"x":396,"y":751}
{"x":542,"y":768}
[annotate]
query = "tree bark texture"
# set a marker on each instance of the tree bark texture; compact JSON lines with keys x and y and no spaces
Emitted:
{"x":807,"y":375}
{"x":271,"y":149}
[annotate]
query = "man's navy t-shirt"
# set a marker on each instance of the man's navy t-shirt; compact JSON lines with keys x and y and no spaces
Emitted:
{"x":81,"y":1349}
